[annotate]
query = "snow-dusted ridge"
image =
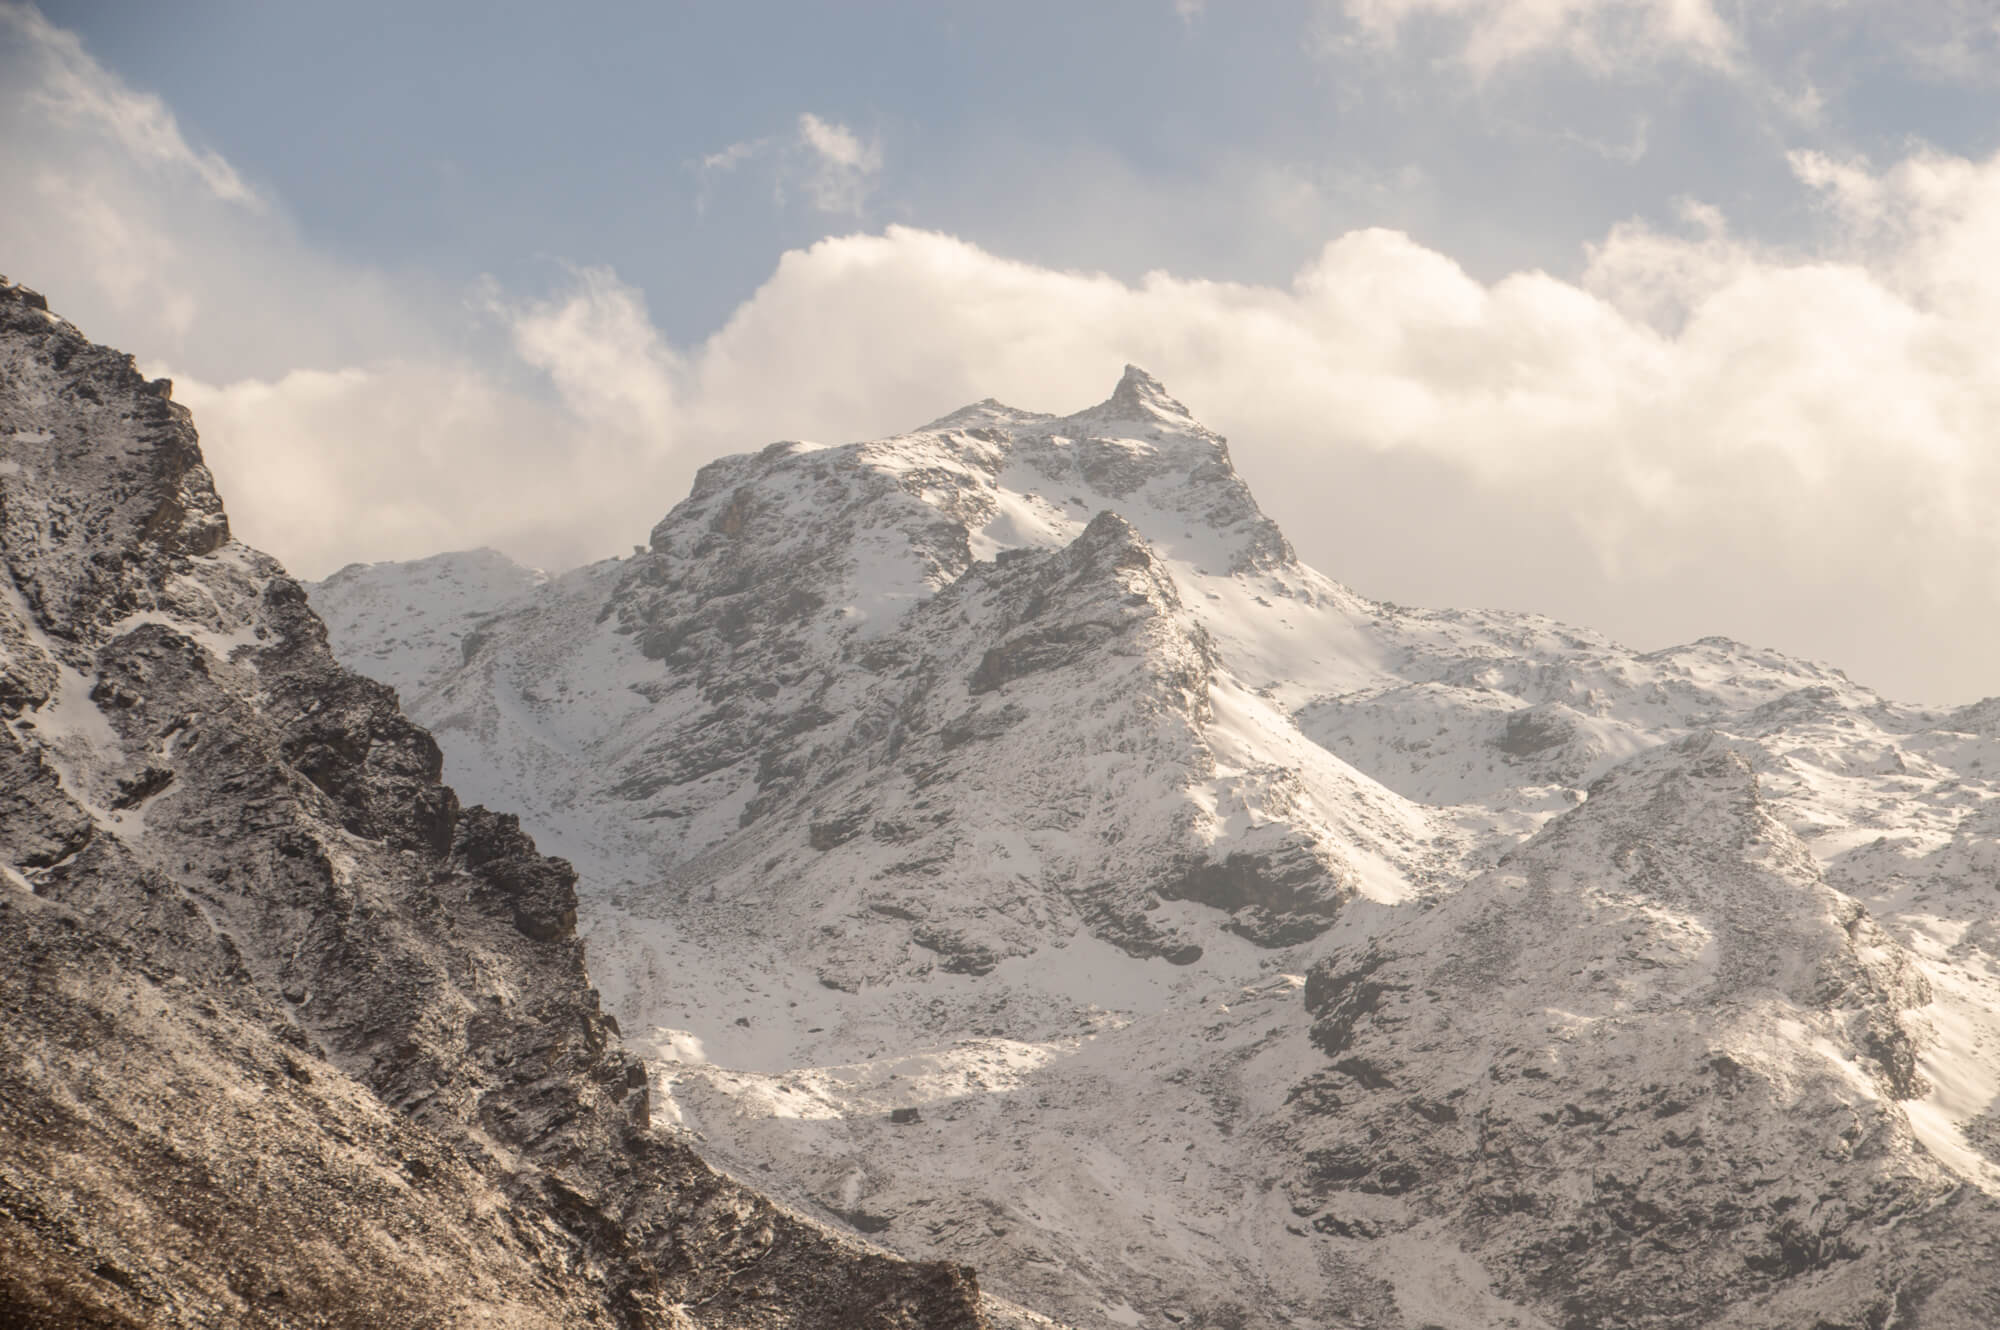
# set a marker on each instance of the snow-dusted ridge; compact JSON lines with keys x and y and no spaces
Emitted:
{"x":289,"y":1037}
{"x":997,"y":841}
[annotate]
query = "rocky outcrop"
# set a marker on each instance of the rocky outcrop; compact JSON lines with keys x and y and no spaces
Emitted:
{"x":1621,"y":1138}
{"x":289,"y":1037}
{"x":1276,"y":898}
{"x":831,"y":649}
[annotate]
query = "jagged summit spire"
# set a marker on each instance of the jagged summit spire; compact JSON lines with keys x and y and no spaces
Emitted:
{"x":1136,"y":377}
{"x":1140,"y":394}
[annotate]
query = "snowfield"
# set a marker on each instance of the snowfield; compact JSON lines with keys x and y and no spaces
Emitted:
{"x":995,"y":841}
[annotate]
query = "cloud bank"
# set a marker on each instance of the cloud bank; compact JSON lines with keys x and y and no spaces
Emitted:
{"x":1702,"y":434}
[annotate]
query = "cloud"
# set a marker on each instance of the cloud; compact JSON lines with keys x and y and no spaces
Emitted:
{"x":837,"y":145}
{"x":1601,"y":35}
{"x":1699,"y":436}
{"x":834,"y":168}
{"x":115,"y":215}
{"x":733,"y":156}
{"x":1953,"y":40}
{"x":404,"y":458}
{"x":1772,"y":51}
{"x":348,"y":414}
{"x":846,"y":167}
{"x":72,"y":89}
{"x":599,"y":347}
{"x":1702,"y":433}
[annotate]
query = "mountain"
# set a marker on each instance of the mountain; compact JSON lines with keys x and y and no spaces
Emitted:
{"x":291,"y":1038}
{"x":997,"y":842}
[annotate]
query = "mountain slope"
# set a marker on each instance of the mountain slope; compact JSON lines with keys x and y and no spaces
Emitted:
{"x":291,"y":1038}
{"x":1188,"y":940}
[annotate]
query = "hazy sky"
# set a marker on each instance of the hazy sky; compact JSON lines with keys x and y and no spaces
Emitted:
{"x":1669,"y":317}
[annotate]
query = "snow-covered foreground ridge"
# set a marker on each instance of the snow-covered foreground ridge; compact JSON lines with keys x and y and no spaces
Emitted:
{"x":995,"y":840}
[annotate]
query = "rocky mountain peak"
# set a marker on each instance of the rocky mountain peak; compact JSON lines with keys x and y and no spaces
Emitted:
{"x":1140,"y":395}
{"x":105,"y":488}
{"x":1156,"y":433}
{"x":1200,"y":943}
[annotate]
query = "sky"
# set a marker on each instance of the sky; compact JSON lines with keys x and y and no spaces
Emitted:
{"x":1664,"y":317}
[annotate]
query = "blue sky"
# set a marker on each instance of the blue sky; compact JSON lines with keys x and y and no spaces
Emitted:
{"x":1666,"y":316}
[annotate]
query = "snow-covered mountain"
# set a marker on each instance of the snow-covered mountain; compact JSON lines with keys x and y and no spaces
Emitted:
{"x":288,"y":1037}
{"x":997,"y":842}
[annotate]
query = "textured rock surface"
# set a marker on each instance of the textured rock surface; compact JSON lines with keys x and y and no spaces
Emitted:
{"x":1188,"y":941}
{"x":287,"y":1036}
{"x":1711,"y":1074}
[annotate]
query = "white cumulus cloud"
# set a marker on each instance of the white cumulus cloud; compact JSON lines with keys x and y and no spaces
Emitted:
{"x":1700,"y":434}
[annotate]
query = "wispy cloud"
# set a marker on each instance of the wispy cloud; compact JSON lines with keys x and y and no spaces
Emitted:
{"x":1776,"y":50}
{"x":1604,"y":36}
{"x":601,"y":350}
{"x":1954,"y":40}
{"x":71,"y":88}
{"x":827,"y":163}
{"x":733,"y":156}
{"x":1633,"y":149}
{"x":845,"y":168}
{"x":132,"y":227}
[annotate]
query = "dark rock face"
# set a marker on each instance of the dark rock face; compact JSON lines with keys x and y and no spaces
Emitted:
{"x":1534,"y":731}
{"x":1039,"y":638}
{"x":538,"y":893}
{"x":961,"y":954}
{"x":1226,"y":501}
{"x":287,"y":1037}
{"x":1276,"y":899}
{"x":789,"y":677}
{"x":1590,"y":1135}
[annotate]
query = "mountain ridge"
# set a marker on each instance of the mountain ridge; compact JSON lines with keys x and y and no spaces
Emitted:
{"x":1050,"y":804}
{"x":292,"y":1037}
